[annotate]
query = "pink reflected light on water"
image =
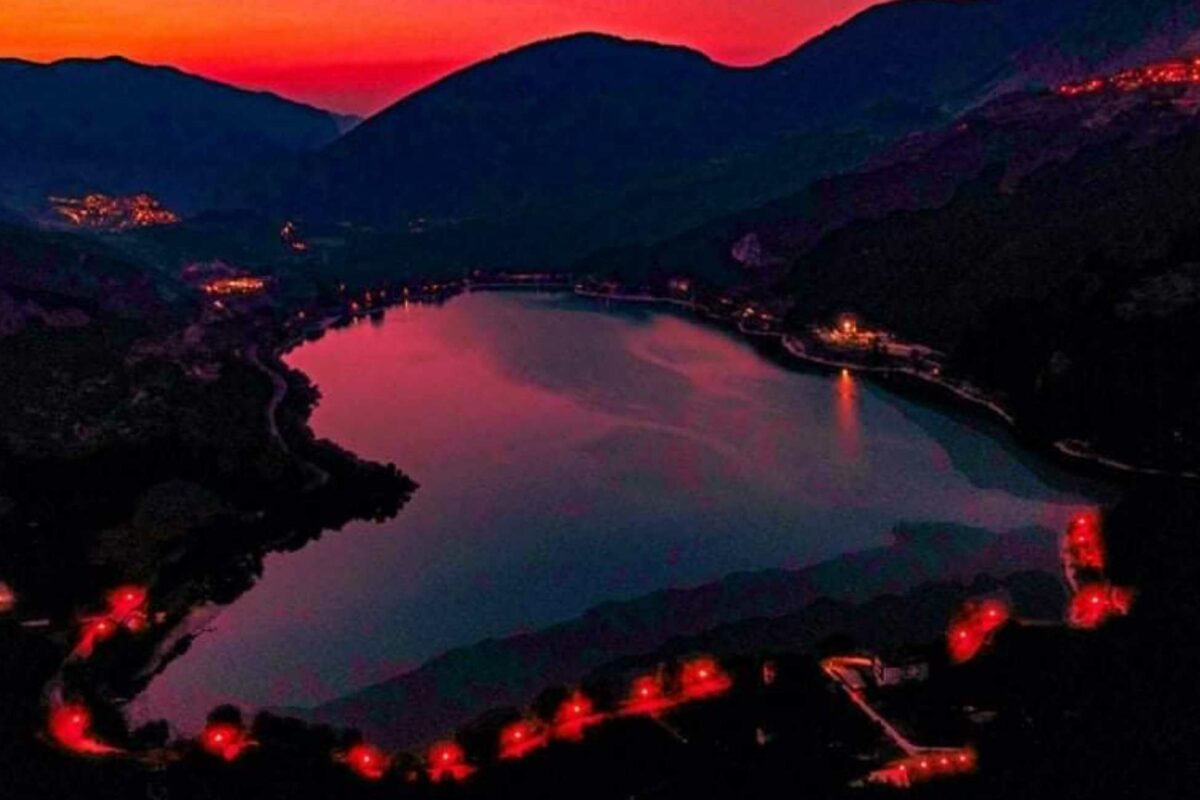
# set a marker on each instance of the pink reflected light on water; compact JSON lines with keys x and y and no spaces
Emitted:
{"x":569,"y":456}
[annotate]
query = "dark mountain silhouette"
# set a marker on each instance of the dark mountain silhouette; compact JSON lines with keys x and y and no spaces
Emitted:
{"x":564,"y":147}
{"x":118,"y":127}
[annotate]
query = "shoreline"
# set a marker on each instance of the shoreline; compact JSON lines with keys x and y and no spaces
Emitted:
{"x":266,"y":352}
{"x":1065,"y":451}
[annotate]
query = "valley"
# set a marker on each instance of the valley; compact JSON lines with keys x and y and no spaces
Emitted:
{"x":608,"y":421}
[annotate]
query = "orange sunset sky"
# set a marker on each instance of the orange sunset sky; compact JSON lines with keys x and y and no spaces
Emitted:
{"x":360,"y":55}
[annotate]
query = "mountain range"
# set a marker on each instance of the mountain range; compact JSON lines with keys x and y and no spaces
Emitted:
{"x":567,"y":147}
{"x":561,"y":149}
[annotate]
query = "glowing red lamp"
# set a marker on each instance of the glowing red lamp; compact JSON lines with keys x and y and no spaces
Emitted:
{"x":703,"y":677}
{"x":8,"y":599}
{"x":125,"y":600}
{"x":992,"y":615}
{"x":972,"y":627}
{"x":575,"y":715}
{"x":224,"y":740}
{"x":368,"y":762}
{"x":447,"y":762}
{"x":964,"y":640}
{"x":646,"y":696}
{"x":94,"y":631}
{"x":521,"y":738}
{"x":1095,"y":603}
{"x":70,"y":727}
{"x":1084,"y":545}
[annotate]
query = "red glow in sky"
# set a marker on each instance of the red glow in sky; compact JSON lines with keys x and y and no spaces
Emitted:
{"x":361,"y":55}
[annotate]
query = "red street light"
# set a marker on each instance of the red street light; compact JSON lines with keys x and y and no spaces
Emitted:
{"x":574,"y":715}
{"x":521,"y":738}
{"x":1095,"y":603}
{"x":972,"y":627}
{"x":646,"y":696}
{"x":447,"y":761}
{"x":126,"y":599}
{"x":1083,"y":546}
{"x":993,"y":614}
{"x":368,"y":762}
{"x":703,"y":677}
{"x":224,"y":740}
{"x":964,"y":641}
{"x":70,"y":727}
{"x":94,"y":631}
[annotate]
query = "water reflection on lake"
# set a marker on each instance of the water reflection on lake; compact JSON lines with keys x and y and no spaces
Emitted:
{"x":568,"y":454}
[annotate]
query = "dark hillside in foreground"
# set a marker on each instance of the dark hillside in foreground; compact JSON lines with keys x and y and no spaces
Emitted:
{"x":1051,"y":711}
{"x":117,"y":127}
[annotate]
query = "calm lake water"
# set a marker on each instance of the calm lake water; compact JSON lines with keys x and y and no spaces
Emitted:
{"x":570,"y":454}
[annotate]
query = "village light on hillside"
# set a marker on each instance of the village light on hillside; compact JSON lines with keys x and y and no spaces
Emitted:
{"x":230,"y":287}
{"x":101,"y":211}
{"x":1165,"y":73}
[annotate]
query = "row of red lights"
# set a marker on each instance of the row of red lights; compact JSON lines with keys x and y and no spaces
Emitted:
{"x":970,"y":631}
{"x":926,"y":765}
{"x":701,"y":678}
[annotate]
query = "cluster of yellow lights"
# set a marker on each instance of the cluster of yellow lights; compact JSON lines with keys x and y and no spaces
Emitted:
{"x":1166,"y":73}
{"x":102,"y":212}
{"x":228,"y":287}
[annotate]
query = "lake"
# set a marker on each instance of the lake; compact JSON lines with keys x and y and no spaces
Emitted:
{"x":569,"y":453}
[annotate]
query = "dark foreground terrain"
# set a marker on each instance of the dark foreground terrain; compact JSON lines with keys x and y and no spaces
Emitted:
{"x":1050,"y":711}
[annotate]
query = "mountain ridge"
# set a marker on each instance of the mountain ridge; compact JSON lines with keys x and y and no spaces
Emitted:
{"x":115,"y":126}
{"x":569,"y":146}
